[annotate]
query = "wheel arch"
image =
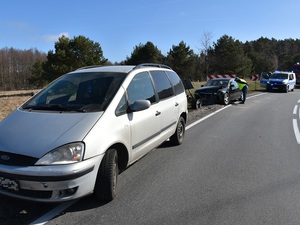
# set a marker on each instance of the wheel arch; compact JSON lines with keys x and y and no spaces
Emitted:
{"x":123,"y":156}
{"x":184,"y":115}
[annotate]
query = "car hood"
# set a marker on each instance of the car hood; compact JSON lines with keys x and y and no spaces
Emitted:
{"x":36,"y":133}
{"x":209,"y":89}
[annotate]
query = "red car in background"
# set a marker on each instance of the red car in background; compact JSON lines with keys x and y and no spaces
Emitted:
{"x":296,"y":70}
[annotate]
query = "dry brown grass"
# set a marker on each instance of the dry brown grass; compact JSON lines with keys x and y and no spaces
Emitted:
{"x":9,"y":104}
{"x":9,"y":101}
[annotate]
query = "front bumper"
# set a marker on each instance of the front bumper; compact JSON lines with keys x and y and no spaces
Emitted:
{"x":209,"y":98}
{"x":277,"y":86}
{"x":50,"y":183}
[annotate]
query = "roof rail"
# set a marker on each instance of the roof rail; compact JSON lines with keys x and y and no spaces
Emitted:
{"x":89,"y":67}
{"x":153,"y":65}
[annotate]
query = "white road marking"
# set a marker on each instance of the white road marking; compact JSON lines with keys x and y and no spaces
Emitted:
{"x":52,"y":213}
{"x":295,"y":109}
{"x":295,"y":123}
{"x":204,"y":118}
{"x":296,"y":130}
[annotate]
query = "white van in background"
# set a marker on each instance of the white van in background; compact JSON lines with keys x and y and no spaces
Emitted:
{"x":284,"y":81}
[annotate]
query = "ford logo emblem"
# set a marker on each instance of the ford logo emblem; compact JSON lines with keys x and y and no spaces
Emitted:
{"x":5,"y":157}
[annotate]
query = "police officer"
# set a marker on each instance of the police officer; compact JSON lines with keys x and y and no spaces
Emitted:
{"x":243,"y":86}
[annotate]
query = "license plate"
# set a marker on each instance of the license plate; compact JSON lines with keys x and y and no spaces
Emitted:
{"x":9,"y":184}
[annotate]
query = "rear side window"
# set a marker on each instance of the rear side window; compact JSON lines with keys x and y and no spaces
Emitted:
{"x":162,"y":84}
{"x":178,"y":86}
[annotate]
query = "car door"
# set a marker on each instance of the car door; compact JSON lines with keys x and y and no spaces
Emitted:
{"x":145,"y":124}
{"x":235,"y":92}
{"x":264,"y":78}
{"x":292,"y":81}
{"x":168,"y":102}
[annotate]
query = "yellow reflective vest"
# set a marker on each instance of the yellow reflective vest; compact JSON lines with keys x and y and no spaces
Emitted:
{"x":241,"y":82}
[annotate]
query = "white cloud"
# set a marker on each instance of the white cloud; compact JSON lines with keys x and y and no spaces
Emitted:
{"x":53,"y":38}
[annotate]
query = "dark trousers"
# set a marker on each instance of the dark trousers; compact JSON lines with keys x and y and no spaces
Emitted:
{"x":245,"y":91}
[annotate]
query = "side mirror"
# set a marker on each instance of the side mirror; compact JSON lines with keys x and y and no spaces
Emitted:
{"x":139,"y":105}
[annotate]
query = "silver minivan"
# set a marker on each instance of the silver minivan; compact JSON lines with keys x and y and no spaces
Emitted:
{"x":76,"y":135}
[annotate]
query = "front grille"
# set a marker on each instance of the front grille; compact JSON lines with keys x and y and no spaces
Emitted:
{"x":36,"y":194}
{"x":27,"y":193}
{"x":12,"y":159}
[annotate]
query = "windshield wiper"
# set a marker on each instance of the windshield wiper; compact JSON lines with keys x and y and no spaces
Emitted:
{"x":55,"y":108}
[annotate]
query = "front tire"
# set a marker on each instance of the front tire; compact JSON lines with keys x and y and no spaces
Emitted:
{"x":106,"y":183}
{"x":287,"y":89}
{"x":226,"y":99}
{"x":197,"y":103}
{"x":178,"y":136}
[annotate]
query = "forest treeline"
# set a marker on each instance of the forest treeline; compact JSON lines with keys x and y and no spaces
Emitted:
{"x":27,"y":69}
{"x":16,"y":66}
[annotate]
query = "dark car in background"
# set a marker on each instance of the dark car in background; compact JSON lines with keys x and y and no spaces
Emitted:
{"x":221,"y":91}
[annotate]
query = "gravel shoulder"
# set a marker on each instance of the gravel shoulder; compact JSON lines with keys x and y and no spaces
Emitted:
{"x":196,"y":114}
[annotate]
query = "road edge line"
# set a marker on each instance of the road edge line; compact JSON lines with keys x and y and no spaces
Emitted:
{"x":213,"y":113}
{"x":52,"y":213}
{"x":204,"y":118}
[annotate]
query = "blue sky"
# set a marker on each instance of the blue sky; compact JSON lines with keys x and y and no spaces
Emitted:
{"x":119,"y":25}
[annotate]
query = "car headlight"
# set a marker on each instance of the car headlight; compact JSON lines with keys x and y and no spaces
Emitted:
{"x":66,"y":154}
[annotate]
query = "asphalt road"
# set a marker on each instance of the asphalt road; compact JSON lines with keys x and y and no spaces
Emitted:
{"x":238,"y":166}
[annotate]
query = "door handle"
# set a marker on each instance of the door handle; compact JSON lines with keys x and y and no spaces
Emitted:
{"x":157,"y":113}
{"x":176,"y":104}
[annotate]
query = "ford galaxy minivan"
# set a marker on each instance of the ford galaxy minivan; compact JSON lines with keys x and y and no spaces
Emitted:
{"x":75,"y":136}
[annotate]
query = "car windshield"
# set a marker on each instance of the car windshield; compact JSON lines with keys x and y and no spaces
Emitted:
{"x":80,"y":92}
{"x":279,"y":76}
{"x":217,"y":82}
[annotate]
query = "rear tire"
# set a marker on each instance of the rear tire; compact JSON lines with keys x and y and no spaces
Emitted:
{"x":106,"y":183}
{"x":178,"y":136}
